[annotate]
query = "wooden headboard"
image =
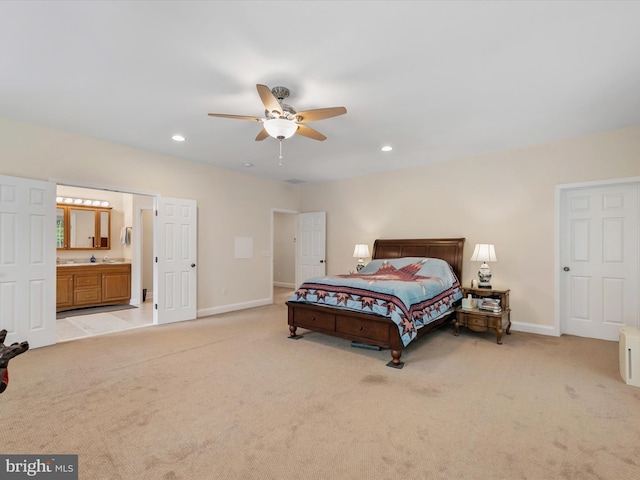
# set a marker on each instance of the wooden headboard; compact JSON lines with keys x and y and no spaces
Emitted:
{"x":449,"y":249}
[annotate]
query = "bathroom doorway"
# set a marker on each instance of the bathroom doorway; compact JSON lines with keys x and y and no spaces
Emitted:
{"x":130,"y":211}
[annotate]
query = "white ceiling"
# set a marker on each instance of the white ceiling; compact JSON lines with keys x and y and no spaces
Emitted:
{"x":436,"y":80}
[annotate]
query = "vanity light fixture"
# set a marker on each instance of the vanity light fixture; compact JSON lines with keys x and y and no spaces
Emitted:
{"x":82,"y":201}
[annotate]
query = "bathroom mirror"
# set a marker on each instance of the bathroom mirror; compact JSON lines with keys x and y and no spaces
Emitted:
{"x":83,"y":228}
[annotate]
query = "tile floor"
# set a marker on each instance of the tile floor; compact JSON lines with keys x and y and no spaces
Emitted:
{"x":82,"y":326}
{"x":73,"y":328}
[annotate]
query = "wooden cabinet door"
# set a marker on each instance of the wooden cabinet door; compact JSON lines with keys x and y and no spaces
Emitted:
{"x":116,"y":286}
{"x":64,"y":291}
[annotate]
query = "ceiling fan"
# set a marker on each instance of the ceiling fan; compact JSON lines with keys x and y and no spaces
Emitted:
{"x":281,"y":121}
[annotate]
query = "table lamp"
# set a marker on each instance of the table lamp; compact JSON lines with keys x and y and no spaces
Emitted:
{"x":484,"y":252}
{"x":360,"y":252}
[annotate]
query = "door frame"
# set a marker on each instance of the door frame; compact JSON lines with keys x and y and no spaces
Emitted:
{"x":559,"y":190}
{"x":273,"y":233}
{"x":297,"y":245}
{"x":136,"y":219}
{"x":135,"y":262}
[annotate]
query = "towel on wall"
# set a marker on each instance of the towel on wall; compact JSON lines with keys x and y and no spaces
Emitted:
{"x":125,"y":235}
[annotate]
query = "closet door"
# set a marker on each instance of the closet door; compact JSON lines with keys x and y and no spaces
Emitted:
{"x":599,"y":259}
{"x":28,"y":260}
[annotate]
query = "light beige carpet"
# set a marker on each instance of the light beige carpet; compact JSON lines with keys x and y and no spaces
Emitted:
{"x":232,"y":397}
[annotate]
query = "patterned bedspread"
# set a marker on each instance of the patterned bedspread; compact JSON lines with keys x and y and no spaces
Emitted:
{"x":410,"y":291}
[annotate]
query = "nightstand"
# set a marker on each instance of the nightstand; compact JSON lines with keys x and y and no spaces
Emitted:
{"x":480,"y":320}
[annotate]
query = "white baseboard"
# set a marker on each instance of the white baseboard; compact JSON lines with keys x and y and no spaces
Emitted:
{"x":205,"y":312}
{"x":284,"y":285}
{"x":533,"y":328}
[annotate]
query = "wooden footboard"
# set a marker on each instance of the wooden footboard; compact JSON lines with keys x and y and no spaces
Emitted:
{"x":366,"y":328}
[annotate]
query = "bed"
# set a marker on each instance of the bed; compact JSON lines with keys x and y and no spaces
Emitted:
{"x":371,"y":329}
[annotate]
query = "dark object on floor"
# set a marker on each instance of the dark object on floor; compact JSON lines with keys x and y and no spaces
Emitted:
{"x":6,"y":354}
{"x":365,"y":345}
{"x":92,"y":310}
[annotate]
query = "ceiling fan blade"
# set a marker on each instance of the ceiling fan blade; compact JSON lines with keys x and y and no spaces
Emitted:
{"x":262,"y":135}
{"x":237,"y":117}
{"x":270,"y":101}
{"x":310,"y":133}
{"x":320,"y":114}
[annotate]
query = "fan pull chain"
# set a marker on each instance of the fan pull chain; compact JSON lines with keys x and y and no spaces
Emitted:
{"x":280,"y":157}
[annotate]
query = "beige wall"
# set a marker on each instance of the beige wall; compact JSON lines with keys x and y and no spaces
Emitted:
{"x":230,"y":204}
{"x":504,"y":198}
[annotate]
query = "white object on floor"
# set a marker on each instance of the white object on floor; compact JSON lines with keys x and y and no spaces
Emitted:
{"x":630,"y":355}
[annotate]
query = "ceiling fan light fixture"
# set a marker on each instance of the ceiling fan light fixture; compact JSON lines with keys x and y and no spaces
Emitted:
{"x":280,"y":128}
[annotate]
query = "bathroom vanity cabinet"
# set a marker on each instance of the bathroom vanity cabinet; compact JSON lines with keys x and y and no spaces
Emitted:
{"x":92,"y":285}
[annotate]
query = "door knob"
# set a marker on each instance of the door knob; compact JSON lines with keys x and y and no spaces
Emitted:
{"x":321,"y":261}
{"x":566,"y":269}
{"x":193,"y":265}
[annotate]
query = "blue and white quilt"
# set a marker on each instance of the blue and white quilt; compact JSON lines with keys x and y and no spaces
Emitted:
{"x":410,"y":291}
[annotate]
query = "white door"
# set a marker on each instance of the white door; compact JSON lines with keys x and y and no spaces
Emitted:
{"x":175,"y":274}
{"x":311,"y":260}
{"x":28,"y":261}
{"x":599,"y":260}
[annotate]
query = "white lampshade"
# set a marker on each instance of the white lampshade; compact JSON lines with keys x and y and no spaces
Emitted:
{"x":361,"y":251}
{"x":484,"y":252}
{"x":280,"y":128}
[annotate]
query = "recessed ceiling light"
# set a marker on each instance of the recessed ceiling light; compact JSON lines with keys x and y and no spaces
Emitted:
{"x":178,"y":138}
{"x":387,"y":148}
{"x":248,"y":165}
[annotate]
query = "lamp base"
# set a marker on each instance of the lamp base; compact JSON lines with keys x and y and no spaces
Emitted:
{"x":484,"y":276}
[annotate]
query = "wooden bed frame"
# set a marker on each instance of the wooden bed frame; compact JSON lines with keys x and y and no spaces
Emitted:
{"x":369,"y":328}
